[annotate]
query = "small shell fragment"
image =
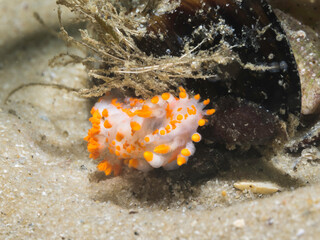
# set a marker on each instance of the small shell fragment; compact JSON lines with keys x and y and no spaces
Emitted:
{"x":239,"y":223}
{"x":257,"y":187}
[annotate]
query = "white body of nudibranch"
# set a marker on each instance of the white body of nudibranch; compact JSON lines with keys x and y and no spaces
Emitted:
{"x":145,"y":134}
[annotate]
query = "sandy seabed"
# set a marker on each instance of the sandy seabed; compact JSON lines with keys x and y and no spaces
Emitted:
{"x":50,"y":188}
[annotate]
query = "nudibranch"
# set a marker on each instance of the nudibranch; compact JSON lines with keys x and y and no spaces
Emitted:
{"x":145,"y":134}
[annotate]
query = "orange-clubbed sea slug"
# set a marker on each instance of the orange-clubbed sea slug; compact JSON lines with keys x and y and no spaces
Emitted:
{"x":145,"y":134}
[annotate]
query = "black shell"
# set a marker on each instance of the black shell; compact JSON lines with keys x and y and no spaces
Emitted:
{"x":256,"y":36}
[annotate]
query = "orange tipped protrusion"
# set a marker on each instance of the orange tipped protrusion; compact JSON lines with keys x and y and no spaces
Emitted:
{"x":181,"y":160}
{"x":126,"y":161}
{"x":196,"y":137}
{"x":162,"y":149}
{"x":96,"y":114}
{"x":182,"y":94}
{"x":103,"y":165}
{"x":107,"y":124}
{"x":135,"y":126}
{"x":211,"y":111}
{"x":105,"y":113}
{"x":94,"y":155}
{"x":165,"y":96}
{"x":147,"y":139}
{"x":92,"y":110}
{"x":206,"y":102}
{"x":185,"y":152}
{"x":181,"y":89}
{"x":86,"y":138}
{"x":93,"y":148}
{"x":148,"y":156}
{"x":133,"y":163}
{"x":155,"y":100}
{"x":119,"y":136}
{"x":108,"y":171}
{"x":162,"y":132}
{"x":201,"y":122}
{"x":197,"y":97}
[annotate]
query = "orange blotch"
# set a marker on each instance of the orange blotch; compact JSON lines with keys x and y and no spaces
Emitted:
{"x":179,"y":117}
{"x":128,"y":112}
{"x":135,"y":126}
{"x":111,"y":150}
{"x":129,"y":149}
{"x":119,"y":136}
{"x":190,"y":111}
{"x":105,"y":113}
{"x":162,"y":149}
{"x":145,"y":112}
{"x":169,"y":112}
{"x":107,"y":124}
